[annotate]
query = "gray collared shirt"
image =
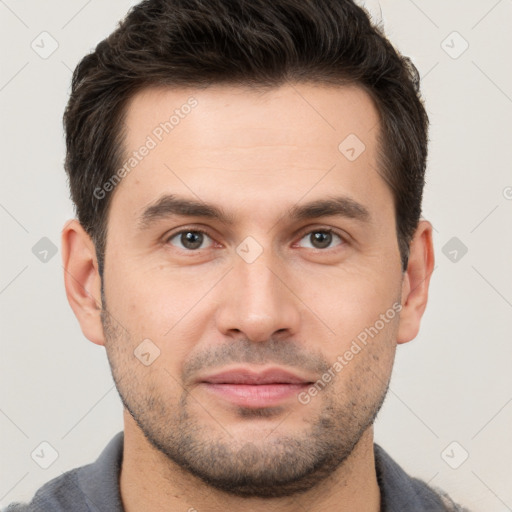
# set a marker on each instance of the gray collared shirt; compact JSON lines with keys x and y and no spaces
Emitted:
{"x":95,"y":488}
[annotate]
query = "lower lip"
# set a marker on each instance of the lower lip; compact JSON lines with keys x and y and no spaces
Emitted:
{"x":250,"y":395}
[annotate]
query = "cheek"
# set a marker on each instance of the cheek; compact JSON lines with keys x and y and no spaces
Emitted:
{"x":351,"y":301}
{"x":150,"y":301}
{"x":364,"y":361}
{"x":169,"y":310}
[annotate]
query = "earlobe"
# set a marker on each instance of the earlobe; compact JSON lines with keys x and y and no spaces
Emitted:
{"x":82,"y":280}
{"x":416,"y":282}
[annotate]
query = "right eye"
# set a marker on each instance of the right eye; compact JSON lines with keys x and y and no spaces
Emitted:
{"x":189,"y":239}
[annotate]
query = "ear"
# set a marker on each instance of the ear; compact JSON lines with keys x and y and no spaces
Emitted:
{"x":416,"y":281}
{"x":82,"y":280}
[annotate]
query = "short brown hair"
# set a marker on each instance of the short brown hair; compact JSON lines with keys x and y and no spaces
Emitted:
{"x":256,"y":44}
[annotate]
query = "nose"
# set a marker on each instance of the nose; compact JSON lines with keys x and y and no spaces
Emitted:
{"x":258,"y":301}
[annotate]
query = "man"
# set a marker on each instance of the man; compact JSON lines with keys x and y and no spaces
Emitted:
{"x":248,"y":180}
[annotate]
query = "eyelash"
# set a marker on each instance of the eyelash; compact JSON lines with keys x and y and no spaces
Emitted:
{"x":302,"y":235}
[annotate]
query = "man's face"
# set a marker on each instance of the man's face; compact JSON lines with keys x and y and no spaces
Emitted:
{"x":268,"y":289}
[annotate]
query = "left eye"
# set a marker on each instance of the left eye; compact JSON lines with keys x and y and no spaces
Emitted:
{"x":321,"y":239}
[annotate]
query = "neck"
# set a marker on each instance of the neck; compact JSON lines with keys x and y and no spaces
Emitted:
{"x":151,"y":482}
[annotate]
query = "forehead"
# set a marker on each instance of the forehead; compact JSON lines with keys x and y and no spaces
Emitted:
{"x":286,"y":141}
{"x":226,"y":115}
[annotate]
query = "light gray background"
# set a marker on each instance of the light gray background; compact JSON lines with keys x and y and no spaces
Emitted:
{"x":453,"y":383}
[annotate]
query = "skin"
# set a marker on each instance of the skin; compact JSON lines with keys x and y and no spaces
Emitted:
{"x":297,"y":306}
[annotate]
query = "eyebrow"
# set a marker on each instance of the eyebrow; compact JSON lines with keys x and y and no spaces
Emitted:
{"x":171,"y":205}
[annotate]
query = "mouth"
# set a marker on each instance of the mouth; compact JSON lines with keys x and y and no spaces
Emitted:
{"x":247,"y":388}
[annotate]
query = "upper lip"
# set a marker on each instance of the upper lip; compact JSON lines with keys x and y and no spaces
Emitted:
{"x":246,"y":376}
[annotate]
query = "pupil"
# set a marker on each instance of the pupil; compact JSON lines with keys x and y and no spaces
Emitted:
{"x":192,"y":240}
{"x":321,"y":239}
